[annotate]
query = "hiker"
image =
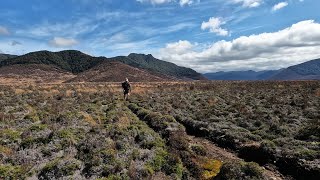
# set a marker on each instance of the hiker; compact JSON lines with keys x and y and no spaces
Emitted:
{"x":126,"y":89}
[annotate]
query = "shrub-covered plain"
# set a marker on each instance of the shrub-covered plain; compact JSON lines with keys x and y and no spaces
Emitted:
{"x":267,"y":122}
{"x":87,"y":131}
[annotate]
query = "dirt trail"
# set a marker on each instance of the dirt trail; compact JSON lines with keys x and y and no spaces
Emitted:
{"x":218,"y":153}
{"x":213,"y":151}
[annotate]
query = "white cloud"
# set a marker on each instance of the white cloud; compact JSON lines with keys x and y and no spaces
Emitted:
{"x":248,"y":3}
{"x":279,"y":6}
{"x":155,"y":2}
{"x":69,"y":29}
{"x":179,"y":48}
{"x":4,"y":31}
{"x":185,"y":2}
{"x":293,"y":45}
{"x":214,"y":25}
{"x":63,"y":42}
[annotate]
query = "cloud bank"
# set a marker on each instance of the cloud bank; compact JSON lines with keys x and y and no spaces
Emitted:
{"x":292,"y":45}
{"x":62,"y":42}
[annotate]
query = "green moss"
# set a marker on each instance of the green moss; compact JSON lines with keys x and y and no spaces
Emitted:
{"x":11,"y":172}
{"x":211,"y":168}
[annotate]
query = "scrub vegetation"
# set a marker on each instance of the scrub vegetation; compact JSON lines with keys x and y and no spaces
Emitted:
{"x":169,"y":130}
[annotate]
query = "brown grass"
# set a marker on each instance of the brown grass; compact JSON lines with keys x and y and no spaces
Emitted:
{"x":5,"y":150}
{"x":88,"y":118}
{"x":318,"y":92}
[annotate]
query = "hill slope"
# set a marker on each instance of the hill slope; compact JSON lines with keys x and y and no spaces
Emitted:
{"x":70,"y":60}
{"x":138,"y":67}
{"x":113,"y":71}
{"x":241,"y":75}
{"x":306,"y":71}
{"x":152,"y":64}
{"x":6,"y":56}
{"x":33,"y":73}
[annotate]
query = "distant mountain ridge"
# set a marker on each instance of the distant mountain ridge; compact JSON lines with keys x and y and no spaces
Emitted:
{"x":138,"y":67}
{"x":143,"y":67}
{"x":241,"y":75}
{"x":309,"y":70}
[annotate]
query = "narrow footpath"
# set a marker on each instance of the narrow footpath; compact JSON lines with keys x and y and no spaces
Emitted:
{"x":194,"y":151}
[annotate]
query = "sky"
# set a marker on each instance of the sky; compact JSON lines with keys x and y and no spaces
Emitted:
{"x":206,"y":35}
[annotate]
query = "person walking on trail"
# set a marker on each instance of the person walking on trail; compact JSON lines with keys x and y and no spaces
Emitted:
{"x":126,"y":89}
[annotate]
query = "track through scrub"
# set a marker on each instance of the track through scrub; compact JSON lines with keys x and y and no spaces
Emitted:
{"x":196,"y":153}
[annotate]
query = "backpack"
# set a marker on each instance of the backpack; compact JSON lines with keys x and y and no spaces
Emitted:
{"x":125,"y":85}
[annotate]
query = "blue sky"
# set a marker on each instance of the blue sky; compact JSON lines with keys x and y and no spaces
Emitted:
{"x":207,"y":35}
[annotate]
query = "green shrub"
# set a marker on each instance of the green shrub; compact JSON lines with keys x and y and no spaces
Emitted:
{"x":59,"y":168}
{"x":198,"y":149}
{"x":9,"y":136}
{"x":11,"y":172}
{"x":240,"y":170}
{"x":37,"y":127}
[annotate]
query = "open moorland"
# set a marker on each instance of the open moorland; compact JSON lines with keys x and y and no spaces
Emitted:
{"x":168,"y":130}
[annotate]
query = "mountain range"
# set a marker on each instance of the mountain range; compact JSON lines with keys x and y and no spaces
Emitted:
{"x":75,"y":66}
{"x":309,"y":70}
{"x":241,"y":75}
